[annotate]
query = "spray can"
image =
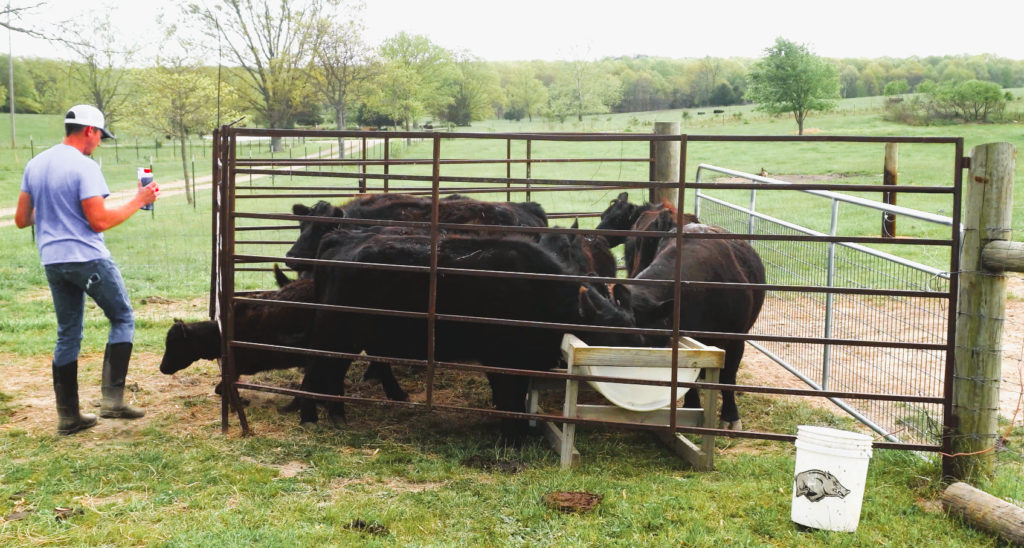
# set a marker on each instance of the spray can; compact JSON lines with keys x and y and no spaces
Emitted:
{"x":145,"y":176}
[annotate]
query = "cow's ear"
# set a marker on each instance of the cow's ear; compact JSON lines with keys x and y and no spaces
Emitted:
{"x":623,"y":296}
{"x":586,"y":305}
{"x":280,"y":277}
{"x":338,"y":213}
{"x":575,"y":224}
{"x":624,"y":197}
{"x":299,"y":209}
{"x":664,"y":310}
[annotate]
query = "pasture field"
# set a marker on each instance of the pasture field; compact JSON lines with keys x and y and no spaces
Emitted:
{"x":173,"y":480}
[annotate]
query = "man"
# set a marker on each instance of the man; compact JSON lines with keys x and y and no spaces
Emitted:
{"x":62,"y":193}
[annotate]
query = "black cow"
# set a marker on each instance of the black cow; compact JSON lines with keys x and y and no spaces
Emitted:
{"x":623,"y":215}
{"x":517,"y":347}
{"x":187,"y":343}
{"x":402,"y":207}
{"x":582,"y":254}
{"x":715,"y":309}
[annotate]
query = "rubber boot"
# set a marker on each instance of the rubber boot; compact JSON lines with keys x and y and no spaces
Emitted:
{"x":115,"y":369}
{"x":70,"y":419}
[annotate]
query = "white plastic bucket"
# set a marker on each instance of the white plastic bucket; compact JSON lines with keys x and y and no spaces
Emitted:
{"x":831,"y":473}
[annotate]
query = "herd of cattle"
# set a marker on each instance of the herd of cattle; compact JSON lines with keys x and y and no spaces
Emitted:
{"x":724,"y":310}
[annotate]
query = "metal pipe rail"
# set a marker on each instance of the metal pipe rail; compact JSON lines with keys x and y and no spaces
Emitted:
{"x":228,"y":256}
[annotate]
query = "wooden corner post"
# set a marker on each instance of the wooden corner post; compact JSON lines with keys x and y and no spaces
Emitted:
{"x":890,"y":176}
{"x":666,"y":163}
{"x":988,"y":192}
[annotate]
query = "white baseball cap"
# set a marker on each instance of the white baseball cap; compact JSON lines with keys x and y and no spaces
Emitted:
{"x":88,"y":115}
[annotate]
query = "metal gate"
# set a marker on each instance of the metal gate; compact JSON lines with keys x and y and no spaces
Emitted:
{"x":445,"y":176}
{"x":899,"y":318}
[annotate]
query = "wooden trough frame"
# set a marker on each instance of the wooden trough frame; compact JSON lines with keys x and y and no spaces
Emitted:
{"x":577,"y":354}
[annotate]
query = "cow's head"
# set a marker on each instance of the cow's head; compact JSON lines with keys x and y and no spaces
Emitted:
{"x":620,"y":215}
{"x":616,"y":311}
{"x":188,"y":343}
{"x":310,"y":232}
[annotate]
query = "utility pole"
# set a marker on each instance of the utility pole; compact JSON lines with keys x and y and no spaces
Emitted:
{"x":10,"y":72}
{"x":220,"y":67}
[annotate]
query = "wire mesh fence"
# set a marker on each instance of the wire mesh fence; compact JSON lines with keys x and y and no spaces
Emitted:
{"x":883,"y":318}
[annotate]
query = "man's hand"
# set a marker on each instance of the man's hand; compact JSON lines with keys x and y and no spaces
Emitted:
{"x":147,"y":194}
{"x":101,"y":219}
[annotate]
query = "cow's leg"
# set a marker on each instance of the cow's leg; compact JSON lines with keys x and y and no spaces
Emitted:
{"x":314,"y":380}
{"x":383,"y":373}
{"x":335,"y":377}
{"x":509,"y":394}
{"x":730,"y":419}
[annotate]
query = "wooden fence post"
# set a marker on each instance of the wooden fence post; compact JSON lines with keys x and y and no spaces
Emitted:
{"x":666,"y":162}
{"x":889,"y":177}
{"x":988,"y":192}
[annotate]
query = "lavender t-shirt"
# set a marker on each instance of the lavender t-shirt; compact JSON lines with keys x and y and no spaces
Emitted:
{"x":58,"y":179}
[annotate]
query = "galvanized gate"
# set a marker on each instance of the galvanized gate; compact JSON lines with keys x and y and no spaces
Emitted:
{"x":377,"y":174}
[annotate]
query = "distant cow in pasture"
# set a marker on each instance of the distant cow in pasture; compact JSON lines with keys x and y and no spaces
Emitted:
{"x":516,"y":347}
{"x":454,"y":209}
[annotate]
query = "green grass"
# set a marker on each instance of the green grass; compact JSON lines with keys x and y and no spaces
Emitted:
{"x":409,"y":473}
{"x":194,"y":488}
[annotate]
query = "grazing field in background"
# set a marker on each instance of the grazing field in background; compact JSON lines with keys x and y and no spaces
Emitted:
{"x":174,"y":481}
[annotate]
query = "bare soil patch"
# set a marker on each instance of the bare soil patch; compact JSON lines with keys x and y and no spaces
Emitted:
{"x":573,"y":501}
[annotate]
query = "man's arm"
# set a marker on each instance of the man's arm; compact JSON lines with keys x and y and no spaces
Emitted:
{"x":25,"y":215}
{"x":101,"y":219}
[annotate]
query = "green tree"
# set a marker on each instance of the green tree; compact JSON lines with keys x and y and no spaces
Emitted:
{"x":397,"y":94}
{"x":341,"y":67}
{"x":104,"y":57}
{"x":525,"y":92}
{"x":848,"y":81}
{"x":476,"y":92}
{"x":789,"y":78}
{"x":896,"y":87}
{"x":25,"y":97}
{"x":272,"y":41}
{"x":972,"y":100}
{"x":583,"y":88}
{"x":176,"y":98}
{"x":434,"y":70}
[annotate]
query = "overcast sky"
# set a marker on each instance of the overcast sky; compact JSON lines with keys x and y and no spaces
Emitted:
{"x":545,"y":29}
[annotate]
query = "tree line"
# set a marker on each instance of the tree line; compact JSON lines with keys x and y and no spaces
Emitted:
{"x":307,"y":62}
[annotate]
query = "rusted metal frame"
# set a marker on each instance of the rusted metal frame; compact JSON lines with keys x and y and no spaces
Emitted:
{"x":434,"y":245}
{"x":529,"y":165}
{"x":334,"y":174}
{"x":949,"y":420}
{"x":228,"y":372}
{"x":407,"y":189}
{"x":419,"y":192}
{"x":556,"y":375}
{"x":584,"y":137}
{"x":266,"y":227}
{"x":335,"y":308}
{"x":820,"y":139}
{"x":581,"y":137}
{"x":387,"y":162}
{"x":650,"y":176}
{"x":249,"y":259}
{"x":427,"y":162}
{"x":557,"y":418}
{"x":677,"y":280}
{"x":594,"y":232}
{"x":214,"y":216}
{"x":508,"y":168}
{"x":362,"y":169}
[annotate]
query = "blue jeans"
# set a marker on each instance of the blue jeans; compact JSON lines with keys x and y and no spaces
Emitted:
{"x":69,"y":284}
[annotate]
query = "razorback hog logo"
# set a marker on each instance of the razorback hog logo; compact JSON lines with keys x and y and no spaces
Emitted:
{"x":818,"y":484}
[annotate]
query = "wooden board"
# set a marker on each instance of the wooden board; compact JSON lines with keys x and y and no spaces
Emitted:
{"x":687,"y":450}
{"x":684,"y":417}
{"x":985,"y":511}
{"x":691,"y":356}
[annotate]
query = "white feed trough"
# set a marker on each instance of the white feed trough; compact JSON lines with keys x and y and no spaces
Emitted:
{"x":636,"y":404}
